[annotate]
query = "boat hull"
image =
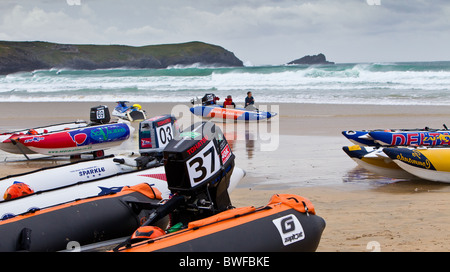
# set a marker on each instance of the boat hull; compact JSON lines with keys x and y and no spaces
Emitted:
{"x":16,"y":147}
{"x":70,"y":173}
{"x":375,"y":161}
{"x":428,"y":163}
{"x":78,"y":141}
{"x":283,"y":225}
{"x":82,"y":221}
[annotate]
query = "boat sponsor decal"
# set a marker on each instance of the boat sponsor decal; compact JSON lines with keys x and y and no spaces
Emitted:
{"x":108,"y":133}
{"x":79,"y":138}
{"x":65,"y":151}
{"x":226,"y":154}
{"x":290,"y":229}
{"x":100,"y":134}
{"x":110,"y":190}
{"x":224,"y":113}
{"x":194,"y":148}
{"x":412,"y":157}
{"x":414,"y":138}
{"x":34,"y":140}
{"x":146,"y":143}
{"x":156,"y":176}
{"x":163,"y":122}
{"x":189,"y":134}
{"x":91,"y":171}
{"x":155,"y":118}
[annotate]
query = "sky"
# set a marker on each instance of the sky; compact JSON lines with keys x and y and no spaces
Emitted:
{"x":259,"y":32}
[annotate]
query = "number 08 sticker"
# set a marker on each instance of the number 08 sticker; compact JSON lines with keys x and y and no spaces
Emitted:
{"x":203,"y":165}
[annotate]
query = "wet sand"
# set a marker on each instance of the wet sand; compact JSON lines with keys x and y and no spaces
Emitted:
{"x":299,"y":152}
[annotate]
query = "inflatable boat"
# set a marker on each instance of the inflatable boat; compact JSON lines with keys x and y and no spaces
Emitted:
{"x":203,"y":217}
{"x":376,"y":161}
{"x":7,"y":145}
{"x":77,"y":141}
{"x":286,"y":223}
{"x":67,"y":174}
{"x":385,"y":137}
{"x":87,"y":187}
{"x":216,"y":112}
{"x":83,"y":221}
{"x":132,"y":113}
{"x":94,"y":138}
{"x":430,"y":163}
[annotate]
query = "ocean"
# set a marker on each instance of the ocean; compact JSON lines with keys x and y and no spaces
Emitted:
{"x":406,"y":83}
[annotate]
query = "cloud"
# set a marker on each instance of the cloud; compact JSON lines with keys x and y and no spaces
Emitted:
{"x":260,"y":31}
{"x":37,"y":24}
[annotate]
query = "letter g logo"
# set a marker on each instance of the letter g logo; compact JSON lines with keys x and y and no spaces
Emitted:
{"x":289,"y":228}
{"x":287,"y":224}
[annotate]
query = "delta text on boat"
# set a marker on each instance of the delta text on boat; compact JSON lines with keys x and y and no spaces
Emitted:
{"x":411,"y":137}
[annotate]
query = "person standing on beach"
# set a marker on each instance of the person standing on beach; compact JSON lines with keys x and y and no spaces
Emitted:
{"x":249,"y":100}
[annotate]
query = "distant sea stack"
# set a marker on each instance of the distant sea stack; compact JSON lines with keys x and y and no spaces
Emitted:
{"x":315,"y":59}
{"x":30,"y":56}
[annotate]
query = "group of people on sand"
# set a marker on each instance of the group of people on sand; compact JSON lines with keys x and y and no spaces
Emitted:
{"x":210,"y":99}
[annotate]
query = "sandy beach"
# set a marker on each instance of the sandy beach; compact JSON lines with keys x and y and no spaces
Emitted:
{"x":300,"y":152}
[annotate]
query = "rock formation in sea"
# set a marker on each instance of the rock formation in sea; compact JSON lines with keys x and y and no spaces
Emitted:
{"x":309,"y":60}
{"x":30,"y":56}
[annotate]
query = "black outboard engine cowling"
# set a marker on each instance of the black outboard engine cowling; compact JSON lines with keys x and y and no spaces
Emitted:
{"x":100,"y":115}
{"x":198,"y":164}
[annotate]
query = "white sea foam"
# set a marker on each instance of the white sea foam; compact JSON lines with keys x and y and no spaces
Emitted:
{"x":389,"y":83}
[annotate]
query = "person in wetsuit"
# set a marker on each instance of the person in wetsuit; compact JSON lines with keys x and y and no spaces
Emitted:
{"x":249,"y":100}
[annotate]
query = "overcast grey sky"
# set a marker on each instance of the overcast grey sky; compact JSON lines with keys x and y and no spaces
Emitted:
{"x":258,"y":31}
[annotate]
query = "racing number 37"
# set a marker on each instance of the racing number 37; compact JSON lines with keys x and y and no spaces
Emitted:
{"x":203,"y":165}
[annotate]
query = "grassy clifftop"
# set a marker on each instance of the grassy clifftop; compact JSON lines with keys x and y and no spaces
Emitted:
{"x":29,"y":56}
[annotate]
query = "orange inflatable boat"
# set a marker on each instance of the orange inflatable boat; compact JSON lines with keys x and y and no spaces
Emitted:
{"x":287,"y":223}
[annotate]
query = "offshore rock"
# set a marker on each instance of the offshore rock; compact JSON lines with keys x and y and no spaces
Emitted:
{"x":315,"y":59}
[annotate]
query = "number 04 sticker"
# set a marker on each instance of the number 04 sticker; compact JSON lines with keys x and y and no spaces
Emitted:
{"x":203,"y":165}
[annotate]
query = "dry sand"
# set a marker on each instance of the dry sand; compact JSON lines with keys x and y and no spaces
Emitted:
{"x":307,"y":160}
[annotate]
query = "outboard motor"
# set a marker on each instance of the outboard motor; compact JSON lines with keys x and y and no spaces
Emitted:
{"x":156,"y":133}
{"x":100,"y":115}
{"x":198,"y":165}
